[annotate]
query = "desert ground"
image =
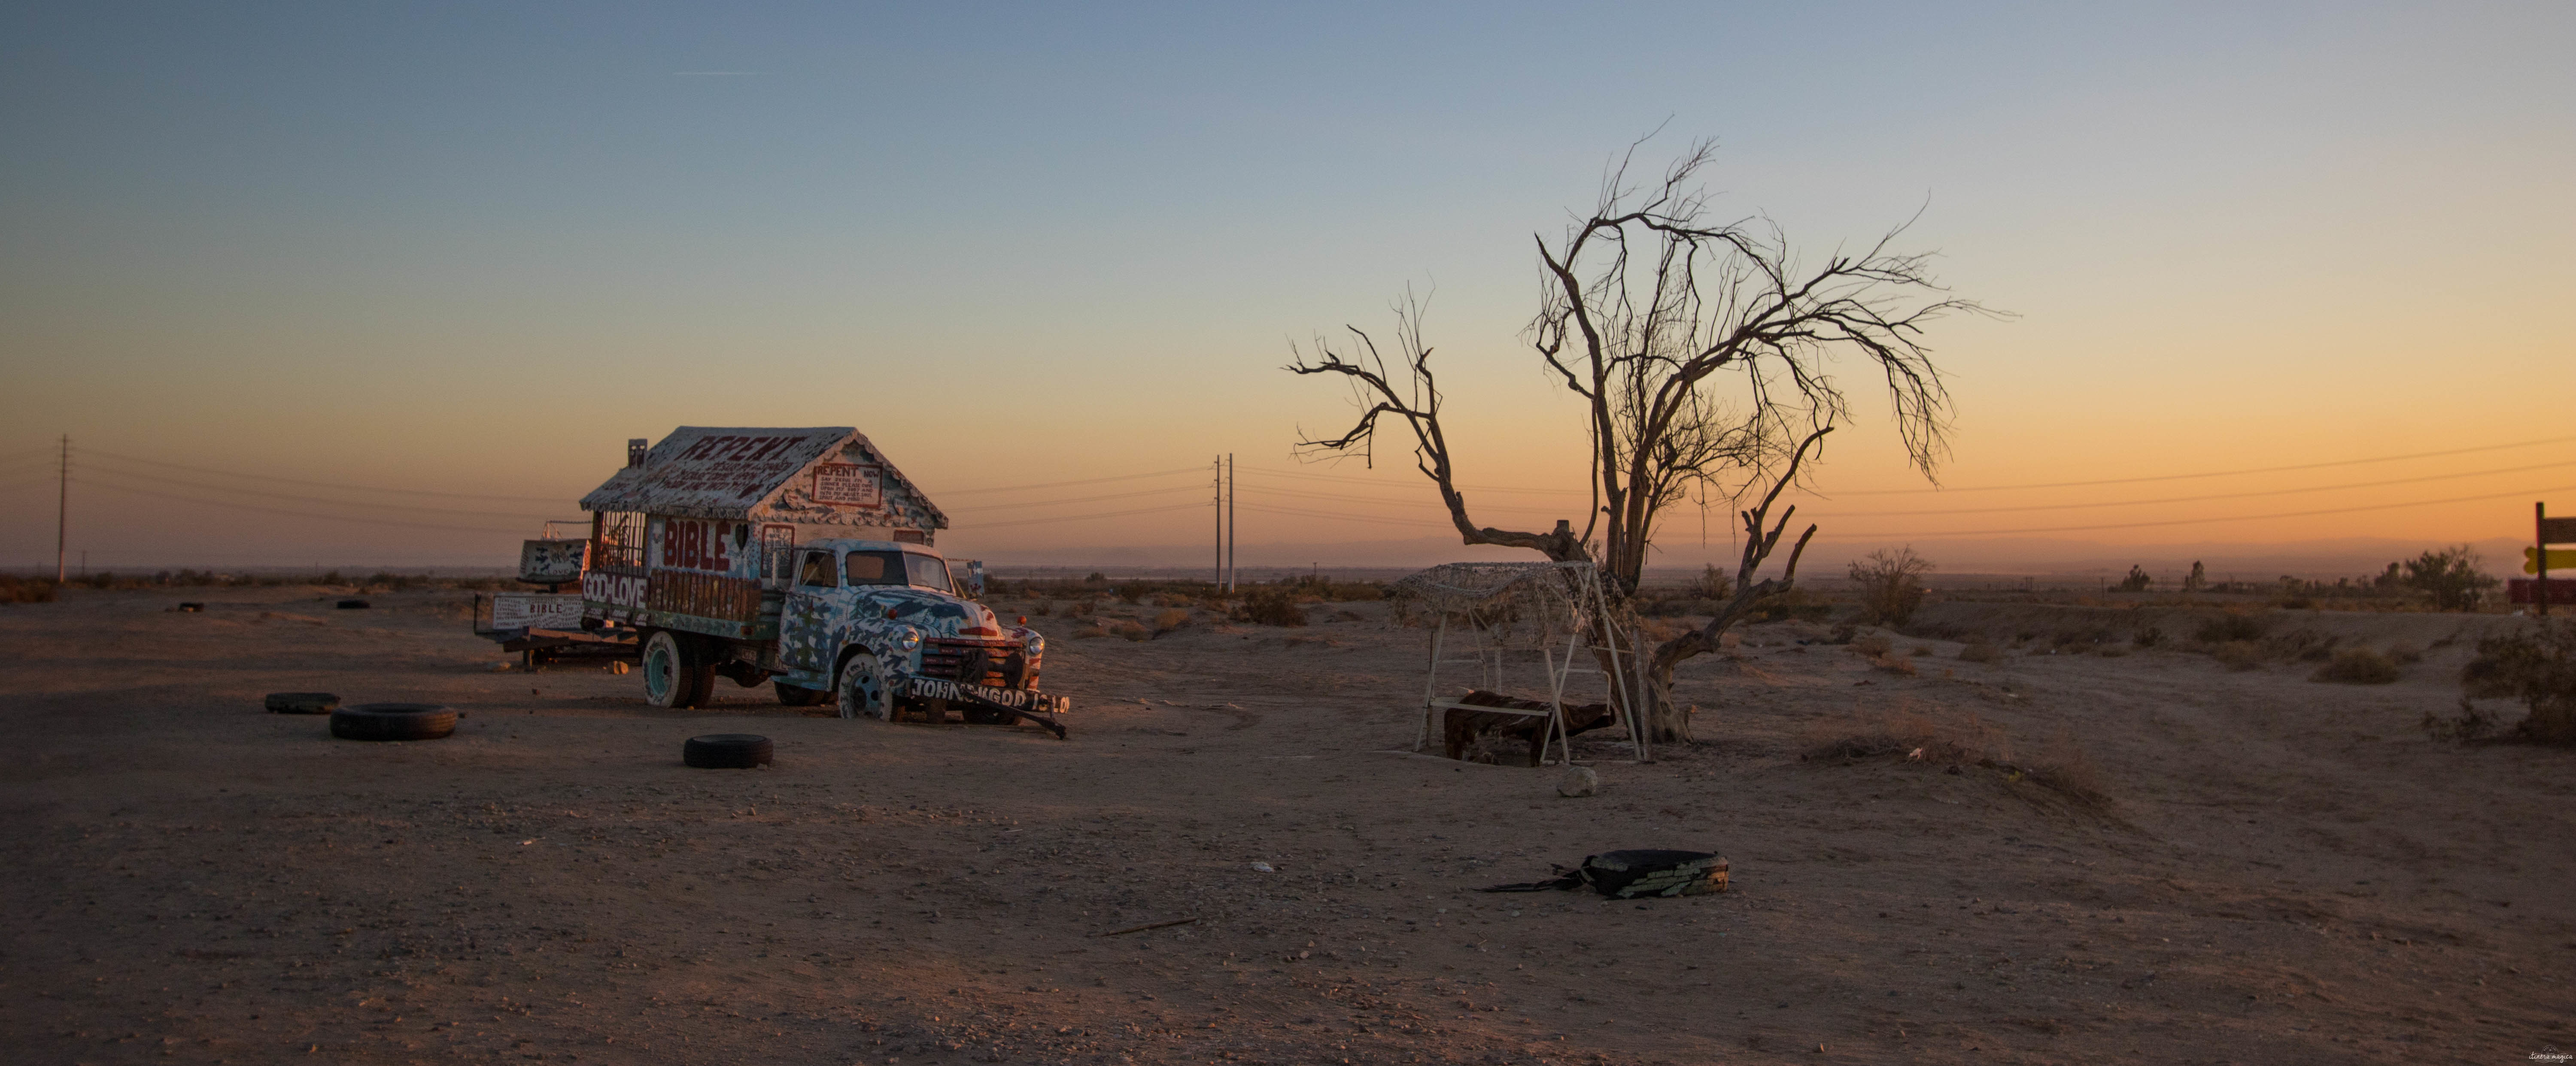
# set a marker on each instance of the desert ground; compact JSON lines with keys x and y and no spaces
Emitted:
{"x":2231,"y":866}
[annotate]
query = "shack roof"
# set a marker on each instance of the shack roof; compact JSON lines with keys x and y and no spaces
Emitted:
{"x":830,"y":475}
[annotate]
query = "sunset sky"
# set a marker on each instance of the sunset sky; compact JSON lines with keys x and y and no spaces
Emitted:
{"x":379,"y":285}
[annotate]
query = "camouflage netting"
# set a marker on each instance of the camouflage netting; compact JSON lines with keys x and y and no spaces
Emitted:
{"x":1537,"y":603}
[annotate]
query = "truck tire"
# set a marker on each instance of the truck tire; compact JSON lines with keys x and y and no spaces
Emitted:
{"x":675,"y":674}
{"x":726,"y":751}
{"x":799,"y":695}
{"x":393,"y":721}
{"x":302,"y":702}
{"x":862,"y":689}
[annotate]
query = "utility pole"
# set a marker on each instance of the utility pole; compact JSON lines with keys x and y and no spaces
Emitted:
{"x":63,"y":510}
{"x":1217,"y":544}
{"x":1229,"y":521}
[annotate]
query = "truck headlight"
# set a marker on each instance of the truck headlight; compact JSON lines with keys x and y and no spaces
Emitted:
{"x":910,"y":640}
{"x":1031,"y":644}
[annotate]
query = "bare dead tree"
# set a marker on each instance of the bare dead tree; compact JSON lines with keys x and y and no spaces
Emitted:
{"x":1701,"y":350}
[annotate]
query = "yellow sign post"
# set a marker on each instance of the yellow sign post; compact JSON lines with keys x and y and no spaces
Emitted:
{"x":2559,"y":559}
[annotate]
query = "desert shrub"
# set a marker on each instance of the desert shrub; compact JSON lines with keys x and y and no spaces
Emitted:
{"x":2470,"y":724}
{"x":1978,"y":651}
{"x":1130,"y":630}
{"x":1170,"y":620}
{"x":1130,"y":593}
{"x":2451,"y":575}
{"x":2109,"y":651}
{"x":1088,"y":632}
{"x":1922,"y":650}
{"x":1870,"y":645}
{"x":1792,"y":606}
{"x":2302,"y":645}
{"x":2147,"y":637}
{"x":27,"y":590}
{"x":2537,"y":665}
{"x":1713,"y":584}
{"x":2357,"y":666}
{"x":1894,"y":664}
{"x":1890,"y":584}
{"x":1270,"y":605}
{"x":2233,"y":627}
{"x":1084,"y":609}
{"x":2239,"y":654}
{"x":1043,"y":609}
{"x":2137,"y":581}
{"x":1096,"y":578}
{"x":2403,"y":653}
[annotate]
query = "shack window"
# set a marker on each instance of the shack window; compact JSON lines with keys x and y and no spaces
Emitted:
{"x":817,"y":571}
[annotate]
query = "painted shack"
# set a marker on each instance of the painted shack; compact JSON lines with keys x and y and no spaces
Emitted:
{"x":698,"y":533}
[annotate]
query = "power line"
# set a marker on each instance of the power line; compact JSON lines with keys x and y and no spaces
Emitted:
{"x":319,"y":484}
{"x":1069,"y":484}
{"x":305,"y":514}
{"x":2216,"y":496}
{"x":1078,"y":499}
{"x":1088,"y":517}
{"x":1380,"y":481}
{"x":321,"y":500}
{"x":2217,"y":473}
{"x":2515,"y":494}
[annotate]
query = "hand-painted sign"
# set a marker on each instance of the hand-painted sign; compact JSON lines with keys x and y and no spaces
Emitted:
{"x":2559,"y":559}
{"x":535,"y":610}
{"x":695,"y":544}
{"x":849,"y":484}
{"x":2562,"y":590}
{"x":553,"y":561}
{"x":615,"y":590}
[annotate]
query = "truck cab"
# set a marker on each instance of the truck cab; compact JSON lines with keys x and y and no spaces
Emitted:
{"x":872,"y":621}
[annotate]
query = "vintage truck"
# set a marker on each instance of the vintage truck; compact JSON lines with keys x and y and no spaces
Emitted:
{"x":801,"y":558}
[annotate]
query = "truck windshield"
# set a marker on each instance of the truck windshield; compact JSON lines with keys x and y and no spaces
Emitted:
{"x":896,"y":568}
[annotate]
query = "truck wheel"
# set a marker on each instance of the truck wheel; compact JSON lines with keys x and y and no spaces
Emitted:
{"x":673,"y":675}
{"x":863,"y":689}
{"x":800,"y":696}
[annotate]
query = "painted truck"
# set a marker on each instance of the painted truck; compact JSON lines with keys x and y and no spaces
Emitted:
{"x":803,"y":559}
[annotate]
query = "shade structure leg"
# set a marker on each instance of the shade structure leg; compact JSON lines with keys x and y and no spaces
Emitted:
{"x":1431,"y":683}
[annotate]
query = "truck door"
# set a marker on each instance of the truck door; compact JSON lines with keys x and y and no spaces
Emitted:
{"x":805,"y":624}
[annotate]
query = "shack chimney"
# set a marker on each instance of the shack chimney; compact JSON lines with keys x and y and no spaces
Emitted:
{"x":635,"y":451}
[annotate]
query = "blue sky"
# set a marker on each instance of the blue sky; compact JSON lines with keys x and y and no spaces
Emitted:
{"x":473,"y":248}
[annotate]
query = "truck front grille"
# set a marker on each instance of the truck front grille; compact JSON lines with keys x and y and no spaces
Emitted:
{"x":949,"y":659}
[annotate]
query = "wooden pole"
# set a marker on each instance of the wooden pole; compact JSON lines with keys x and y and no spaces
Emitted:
{"x":2540,"y":542}
{"x":1229,"y":521}
{"x":1218,"y":542}
{"x":63,"y":510}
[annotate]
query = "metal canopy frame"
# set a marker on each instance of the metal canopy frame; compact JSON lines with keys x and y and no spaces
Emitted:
{"x":1570,"y":594}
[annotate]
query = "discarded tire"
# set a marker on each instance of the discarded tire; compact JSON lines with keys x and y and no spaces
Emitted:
{"x":353,"y":605}
{"x":393,"y":721}
{"x":302,"y":702}
{"x":726,"y":751}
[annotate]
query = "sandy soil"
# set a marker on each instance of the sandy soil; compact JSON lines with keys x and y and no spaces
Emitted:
{"x":2283,"y":871}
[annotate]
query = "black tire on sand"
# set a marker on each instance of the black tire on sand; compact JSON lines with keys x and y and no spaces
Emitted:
{"x":726,"y":751}
{"x":393,"y":721}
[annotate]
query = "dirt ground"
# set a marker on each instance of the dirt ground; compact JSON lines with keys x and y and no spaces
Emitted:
{"x":2279,"y":871}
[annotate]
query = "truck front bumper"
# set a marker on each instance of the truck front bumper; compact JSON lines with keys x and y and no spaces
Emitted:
{"x":1038,"y":708}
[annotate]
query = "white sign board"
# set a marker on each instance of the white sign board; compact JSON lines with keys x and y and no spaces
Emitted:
{"x":536,"y":610}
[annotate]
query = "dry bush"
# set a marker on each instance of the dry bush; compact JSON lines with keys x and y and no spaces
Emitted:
{"x":2239,"y":655}
{"x":2110,"y":651}
{"x":1922,"y":650}
{"x":1171,"y":620}
{"x":2148,"y":637}
{"x":2064,"y":767}
{"x":1129,"y":630}
{"x":1890,"y":584}
{"x":2302,"y":645}
{"x":1088,"y":632}
{"x":1084,"y":609}
{"x":1894,"y":664}
{"x":2537,"y":665}
{"x":1044,"y":608}
{"x":1871,"y":645}
{"x":1271,"y":605}
{"x":2233,"y":627}
{"x":1978,"y":651}
{"x":27,"y":590}
{"x":2404,"y":653}
{"x":2357,"y":666}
